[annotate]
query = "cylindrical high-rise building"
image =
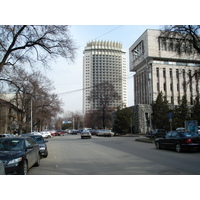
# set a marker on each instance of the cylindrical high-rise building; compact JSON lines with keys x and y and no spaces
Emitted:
{"x":104,"y":61}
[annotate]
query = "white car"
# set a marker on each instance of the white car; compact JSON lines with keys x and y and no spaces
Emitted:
{"x":108,"y":133}
{"x":86,"y":134}
{"x":46,"y":134}
{"x":100,"y":133}
{"x":36,"y":133}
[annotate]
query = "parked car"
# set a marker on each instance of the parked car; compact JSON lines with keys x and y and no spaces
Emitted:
{"x":53,"y":133}
{"x":156,"y":133}
{"x":41,"y":142}
{"x":19,"y":154}
{"x":5,"y":135}
{"x":2,"y":169}
{"x":46,"y":134}
{"x":179,"y":141}
{"x":94,"y":132}
{"x":108,"y":133}
{"x":86,"y":134}
{"x":60,"y":133}
{"x":36,"y":133}
{"x":100,"y":133}
{"x":74,"y":132}
{"x":105,"y":133}
{"x":180,"y":129}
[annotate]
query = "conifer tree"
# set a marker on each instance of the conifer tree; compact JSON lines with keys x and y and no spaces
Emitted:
{"x":196,"y":110}
{"x":160,"y":112}
{"x":123,"y":121}
{"x":181,"y":114}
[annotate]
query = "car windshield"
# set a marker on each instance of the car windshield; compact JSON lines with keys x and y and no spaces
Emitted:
{"x":39,"y":139}
{"x":189,"y":134}
{"x":11,"y":145}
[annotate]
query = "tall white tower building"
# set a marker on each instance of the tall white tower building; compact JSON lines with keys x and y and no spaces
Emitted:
{"x":104,"y":61}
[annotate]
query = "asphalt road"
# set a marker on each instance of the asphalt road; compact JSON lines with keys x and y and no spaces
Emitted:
{"x":70,"y":155}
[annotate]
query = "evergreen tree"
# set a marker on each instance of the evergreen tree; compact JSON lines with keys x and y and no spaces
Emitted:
{"x":181,"y":114}
{"x":160,"y":112}
{"x":123,"y":121}
{"x":196,"y":110}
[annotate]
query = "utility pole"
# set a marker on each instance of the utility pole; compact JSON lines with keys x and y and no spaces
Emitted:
{"x":31,"y":114}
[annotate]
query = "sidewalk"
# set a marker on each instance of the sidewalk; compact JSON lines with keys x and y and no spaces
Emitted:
{"x":139,"y":137}
{"x":144,"y":139}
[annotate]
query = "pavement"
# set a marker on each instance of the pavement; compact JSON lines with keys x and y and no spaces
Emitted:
{"x":144,"y":139}
{"x":139,"y":137}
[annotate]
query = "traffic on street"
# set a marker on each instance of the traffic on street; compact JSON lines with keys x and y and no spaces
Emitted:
{"x":71,"y":155}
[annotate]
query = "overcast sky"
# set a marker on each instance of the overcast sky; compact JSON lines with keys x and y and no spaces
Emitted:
{"x":68,"y":77}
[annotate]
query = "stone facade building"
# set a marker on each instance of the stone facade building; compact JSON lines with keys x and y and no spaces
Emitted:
{"x":8,"y":117}
{"x":159,"y":68}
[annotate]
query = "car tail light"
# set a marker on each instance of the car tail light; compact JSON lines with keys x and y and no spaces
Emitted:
{"x":188,"y":141}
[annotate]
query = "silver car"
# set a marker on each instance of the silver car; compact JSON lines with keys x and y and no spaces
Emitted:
{"x":86,"y":134}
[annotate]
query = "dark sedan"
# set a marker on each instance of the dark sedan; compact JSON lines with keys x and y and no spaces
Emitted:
{"x":41,"y":142}
{"x":156,"y":133}
{"x":19,"y":154}
{"x":179,"y":141}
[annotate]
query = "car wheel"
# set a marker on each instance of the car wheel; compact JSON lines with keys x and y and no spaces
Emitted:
{"x":38,"y":160}
{"x":178,"y":148}
{"x":24,"y":169}
{"x":46,"y":154}
{"x":157,"y":144}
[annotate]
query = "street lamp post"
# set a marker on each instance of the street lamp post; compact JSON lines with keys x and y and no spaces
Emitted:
{"x":31,"y":114}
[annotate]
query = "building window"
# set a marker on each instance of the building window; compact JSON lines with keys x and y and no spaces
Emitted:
{"x":157,"y":72}
{"x":179,"y":100}
{"x":171,"y":86}
{"x":164,"y":73}
{"x":178,"y":87}
{"x":171,"y":45}
{"x":177,"y":74}
{"x":170,"y":73}
{"x":172,"y":100}
{"x":164,"y":86}
{"x":158,"y":87}
{"x":138,"y":50}
{"x":164,"y":44}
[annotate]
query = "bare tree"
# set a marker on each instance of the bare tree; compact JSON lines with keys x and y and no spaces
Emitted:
{"x":187,"y":37}
{"x":103,"y":95}
{"x":186,"y":40}
{"x":30,"y":43}
{"x":33,"y":98}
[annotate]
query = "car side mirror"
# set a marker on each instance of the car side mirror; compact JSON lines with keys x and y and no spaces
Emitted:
{"x":29,"y":147}
{"x":46,"y":141}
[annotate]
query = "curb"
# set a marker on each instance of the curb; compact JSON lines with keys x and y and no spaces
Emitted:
{"x":144,"y":140}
